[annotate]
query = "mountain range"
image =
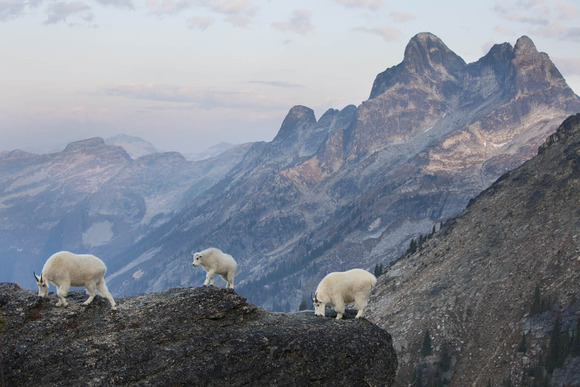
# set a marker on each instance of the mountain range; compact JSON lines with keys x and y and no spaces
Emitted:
{"x":350,"y":189}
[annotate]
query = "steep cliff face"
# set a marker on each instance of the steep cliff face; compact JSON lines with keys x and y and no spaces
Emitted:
{"x":352,"y":189}
{"x":472,"y":285}
{"x":189,"y":336}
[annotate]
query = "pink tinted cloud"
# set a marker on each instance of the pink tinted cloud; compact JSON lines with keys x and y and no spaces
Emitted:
{"x":298,"y":23}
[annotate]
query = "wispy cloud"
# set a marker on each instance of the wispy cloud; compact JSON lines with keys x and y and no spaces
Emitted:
{"x":239,"y":13}
{"x":12,"y":9}
{"x":60,"y":11}
{"x":233,"y":7}
{"x":555,"y":19}
{"x":200,"y":23}
{"x":57,"y":11}
{"x":401,"y":17}
{"x":194,"y":97}
{"x":117,"y":3}
{"x":572,"y":34}
{"x":299,"y":23}
{"x":168,"y":7}
{"x":566,"y":10}
{"x":370,"y":4}
{"x":388,"y":33}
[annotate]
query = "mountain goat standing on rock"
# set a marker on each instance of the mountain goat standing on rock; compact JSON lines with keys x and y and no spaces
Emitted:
{"x":340,"y":288}
{"x":214,"y":261}
{"x":65,"y":269}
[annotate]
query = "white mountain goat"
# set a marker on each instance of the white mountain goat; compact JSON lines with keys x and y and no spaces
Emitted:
{"x":214,"y":261}
{"x":65,"y":269}
{"x":340,"y":288}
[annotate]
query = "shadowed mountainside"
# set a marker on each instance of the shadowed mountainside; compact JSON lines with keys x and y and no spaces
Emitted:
{"x":507,"y":267}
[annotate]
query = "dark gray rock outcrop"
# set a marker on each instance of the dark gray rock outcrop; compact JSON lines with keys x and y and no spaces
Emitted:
{"x":186,"y":336}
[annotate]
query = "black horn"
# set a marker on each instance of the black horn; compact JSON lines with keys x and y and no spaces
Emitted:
{"x":314,"y":297}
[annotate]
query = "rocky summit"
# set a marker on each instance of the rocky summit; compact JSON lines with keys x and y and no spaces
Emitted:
{"x":493,"y":298}
{"x":203,"y":336}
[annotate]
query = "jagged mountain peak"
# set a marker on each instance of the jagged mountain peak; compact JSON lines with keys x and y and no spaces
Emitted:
{"x":426,"y":51}
{"x":525,"y":45}
{"x":503,"y":52}
{"x":426,"y":58}
{"x":297,"y":117}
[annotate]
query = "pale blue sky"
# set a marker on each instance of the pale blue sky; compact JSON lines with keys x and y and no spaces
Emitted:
{"x":187,"y":74}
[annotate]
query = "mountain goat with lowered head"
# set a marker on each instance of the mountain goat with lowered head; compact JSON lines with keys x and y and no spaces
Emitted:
{"x":65,"y":269}
{"x":340,"y":288}
{"x":214,"y":261}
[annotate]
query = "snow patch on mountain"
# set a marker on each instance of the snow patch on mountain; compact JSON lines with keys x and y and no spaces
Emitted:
{"x":98,"y":234}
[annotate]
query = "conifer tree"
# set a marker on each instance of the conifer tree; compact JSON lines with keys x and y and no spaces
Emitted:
{"x":412,"y":247}
{"x":523,"y":346}
{"x":445,"y":360}
{"x":417,"y":378}
{"x":426,"y":346}
{"x":555,"y":351}
{"x":536,"y":303}
{"x":302,"y":305}
{"x":575,"y":349}
{"x":564,"y":345}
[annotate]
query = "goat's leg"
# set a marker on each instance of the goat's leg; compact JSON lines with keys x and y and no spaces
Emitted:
{"x":360,"y":304}
{"x":61,"y":292}
{"x":102,"y":288}
{"x":209,"y":276}
{"x":339,"y":307}
{"x":91,"y":291}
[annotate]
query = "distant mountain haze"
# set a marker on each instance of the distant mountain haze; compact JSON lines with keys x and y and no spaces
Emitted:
{"x":349,"y":189}
{"x":135,"y":146}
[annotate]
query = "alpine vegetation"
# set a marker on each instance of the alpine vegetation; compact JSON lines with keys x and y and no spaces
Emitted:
{"x":65,"y":269}
{"x":214,"y":261}
{"x":340,"y":288}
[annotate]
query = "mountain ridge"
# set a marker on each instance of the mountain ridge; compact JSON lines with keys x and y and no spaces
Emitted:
{"x":471,"y":285}
{"x":363,"y":181}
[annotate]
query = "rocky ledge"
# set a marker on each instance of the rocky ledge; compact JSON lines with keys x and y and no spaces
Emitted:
{"x":188,"y":336}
